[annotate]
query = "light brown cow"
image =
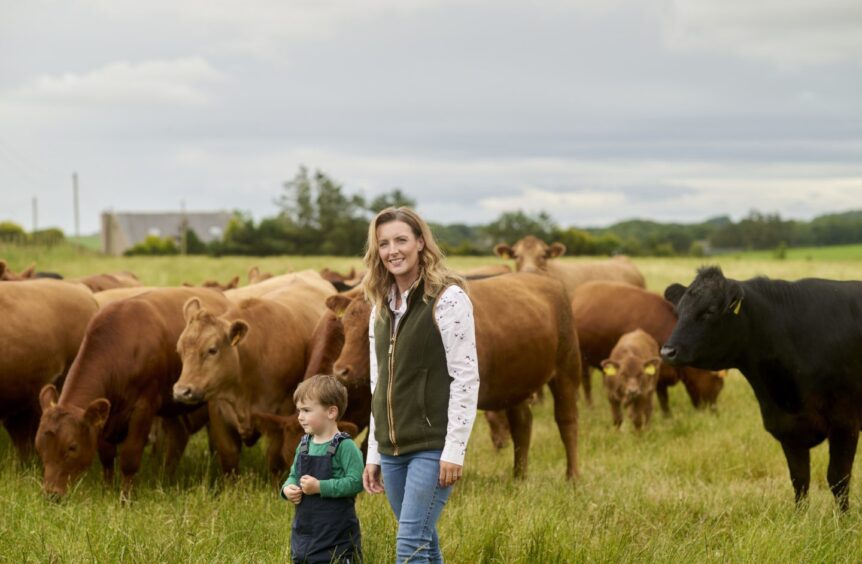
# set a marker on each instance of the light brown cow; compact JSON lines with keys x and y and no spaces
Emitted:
{"x":115,"y":294}
{"x":102,"y":282}
{"x":252,"y":357}
{"x":604,"y":311}
{"x":630,"y":376}
{"x":255,"y":275}
{"x":524,"y":337}
{"x":486,"y":271}
{"x":216,"y":285}
{"x":43,"y":325}
{"x":6,"y":274}
{"x":306,"y":277}
{"x":121,"y":379}
{"x":531,"y":254}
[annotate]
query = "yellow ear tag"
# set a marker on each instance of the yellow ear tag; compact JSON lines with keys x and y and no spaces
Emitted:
{"x":738,"y":307}
{"x":610,"y":370}
{"x":53,"y":404}
{"x":340,"y":313}
{"x":649,"y":370}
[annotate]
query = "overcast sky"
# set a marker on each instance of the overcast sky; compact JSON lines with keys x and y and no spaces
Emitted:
{"x":593,"y":110}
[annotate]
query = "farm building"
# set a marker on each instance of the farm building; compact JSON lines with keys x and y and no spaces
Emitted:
{"x":121,"y":231}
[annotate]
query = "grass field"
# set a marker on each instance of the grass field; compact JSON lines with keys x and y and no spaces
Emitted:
{"x":696,"y":487}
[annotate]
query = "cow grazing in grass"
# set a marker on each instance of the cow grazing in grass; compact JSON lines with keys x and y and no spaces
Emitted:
{"x":120,"y":381}
{"x":102,"y":282}
{"x":255,"y":275}
{"x":252,"y":356}
{"x":630,"y":376}
{"x":524,"y":337}
{"x":43,"y":325}
{"x":216,"y":285}
{"x":605,"y":311}
{"x":799,"y":345}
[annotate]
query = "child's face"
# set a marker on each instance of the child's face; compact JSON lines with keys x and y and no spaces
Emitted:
{"x":315,"y":418}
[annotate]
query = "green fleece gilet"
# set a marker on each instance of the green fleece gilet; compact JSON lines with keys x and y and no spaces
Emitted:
{"x":410,"y":406}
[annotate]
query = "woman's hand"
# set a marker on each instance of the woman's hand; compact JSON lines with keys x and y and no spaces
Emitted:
{"x":449,"y":473}
{"x":371,"y":480}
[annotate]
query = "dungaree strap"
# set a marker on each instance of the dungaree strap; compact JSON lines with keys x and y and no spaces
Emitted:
{"x":336,"y":440}
{"x":303,"y":444}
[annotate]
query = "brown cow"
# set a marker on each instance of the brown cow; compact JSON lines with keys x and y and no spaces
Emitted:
{"x":43,"y":325}
{"x":102,"y":282}
{"x":120,"y":380}
{"x":216,"y":285}
{"x":604,"y":311}
{"x":252,"y":357}
{"x":531,"y":254}
{"x":6,"y":274}
{"x":486,"y":271}
{"x":630,"y":376}
{"x":115,"y":294}
{"x":255,"y":275}
{"x":306,"y":277}
{"x":524,"y":337}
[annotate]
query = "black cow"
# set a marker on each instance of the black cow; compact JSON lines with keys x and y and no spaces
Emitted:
{"x":799,"y":345}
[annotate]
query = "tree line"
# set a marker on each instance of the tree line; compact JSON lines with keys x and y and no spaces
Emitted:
{"x":315,"y":216}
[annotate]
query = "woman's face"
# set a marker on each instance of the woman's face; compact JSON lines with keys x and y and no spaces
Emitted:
{"x":399,"y":249}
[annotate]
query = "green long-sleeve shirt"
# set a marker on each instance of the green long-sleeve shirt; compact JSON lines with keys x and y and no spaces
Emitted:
{"x":347,"y":467}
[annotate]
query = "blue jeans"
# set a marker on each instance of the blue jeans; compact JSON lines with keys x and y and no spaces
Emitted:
{"x":411,"y":482}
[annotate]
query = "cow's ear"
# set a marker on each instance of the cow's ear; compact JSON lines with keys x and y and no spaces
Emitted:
{"x":3,"y":268}
{"x":652,"y":366}
{"x":503,"y":250}
{"x":610,"y":367}
{"x":97,"y":412}
{"x":556,"y":250}
{"x":234,"y":282}
{"x":29,"y":271}
{"x":237,"y":332}
{"x":338,"y":304}
{"x":734,"y":296}
{"x":48,"y":397}
{"x":674,"y":292}
{"x":191,"y":307}
{"x":253,"y":273}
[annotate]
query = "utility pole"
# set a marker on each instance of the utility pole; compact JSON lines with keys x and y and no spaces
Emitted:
{"x":75,"y":201}
{"x":184,"y":227}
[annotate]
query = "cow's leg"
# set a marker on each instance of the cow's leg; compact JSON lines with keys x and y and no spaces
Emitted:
{"x":564,"y":388}
{"x":799,"y":463}
{"x":175,"y":435}
{"x":22,"y":427}
{"x":499,"y":426}
{"x":225,"y":439}
{"x":521,"y":425}
{"x":132,"y":448}
{"x":663,"y":400}
{"x":107,"y":455}
{"x":842,"y":451}
{"x":616,"y":412}
{"x":587,"y":383}
{"x":275,"y":460}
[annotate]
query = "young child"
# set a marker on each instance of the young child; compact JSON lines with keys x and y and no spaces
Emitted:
{"x":325,"y":477}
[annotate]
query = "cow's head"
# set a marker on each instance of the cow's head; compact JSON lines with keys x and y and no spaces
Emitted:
{"x":710,"y":330}
{"x":531,"y":254}
{"x":255,"y":275}
{"x":208,"y":350}
{"x":703,"y":386}
{"x":630,"y":378}
{"x":67,"y":439}
{"x":7,"y":274}
{"x":352,"y":367}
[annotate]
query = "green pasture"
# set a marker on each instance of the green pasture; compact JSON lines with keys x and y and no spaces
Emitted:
{"x":696,"y":487}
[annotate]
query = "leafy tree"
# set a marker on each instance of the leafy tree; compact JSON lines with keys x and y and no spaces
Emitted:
{"x":511,"y":226}
{"x":394,"y":199}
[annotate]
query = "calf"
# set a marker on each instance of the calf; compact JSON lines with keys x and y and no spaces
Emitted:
{"x":798,"y":345}
{"x":631,"y":374}
{"x":120,"y":380}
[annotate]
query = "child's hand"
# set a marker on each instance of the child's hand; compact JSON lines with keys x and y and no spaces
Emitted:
{"x":293,"y":493}
{"x":310,"y":485}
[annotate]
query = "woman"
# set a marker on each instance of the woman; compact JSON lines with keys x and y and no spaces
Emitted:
{"x":424,"y":377}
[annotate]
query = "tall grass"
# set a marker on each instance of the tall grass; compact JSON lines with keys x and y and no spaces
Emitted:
{"x":695,"y":487}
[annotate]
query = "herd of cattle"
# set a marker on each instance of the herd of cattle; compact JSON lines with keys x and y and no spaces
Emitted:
{"x":104,"y":365}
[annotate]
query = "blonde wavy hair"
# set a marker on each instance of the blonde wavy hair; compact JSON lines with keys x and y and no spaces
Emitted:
{"x":378,"y":281}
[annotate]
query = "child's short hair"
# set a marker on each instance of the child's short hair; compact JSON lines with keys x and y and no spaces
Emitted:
{"x":325,"y":390}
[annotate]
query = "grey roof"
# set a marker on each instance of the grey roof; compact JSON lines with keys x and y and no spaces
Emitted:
{"x":208,"y":226}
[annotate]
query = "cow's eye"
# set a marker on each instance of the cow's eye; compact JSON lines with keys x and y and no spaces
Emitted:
{"x":709,"y":312}
{"x":73,"y":448}
{"x":212,"y":350}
